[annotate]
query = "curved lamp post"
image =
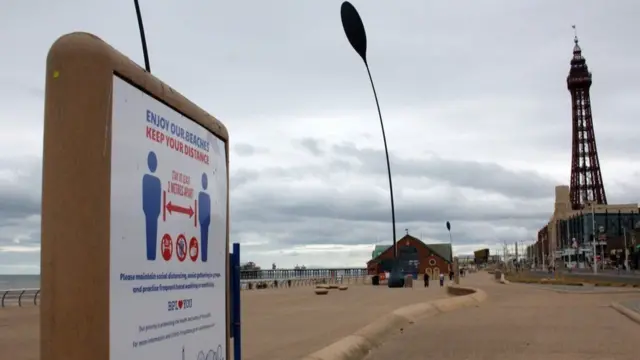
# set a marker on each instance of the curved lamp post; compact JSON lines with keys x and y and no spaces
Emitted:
{"x":354,"y":29}
{"x":143,"y":38}
{"x":454,"y":262}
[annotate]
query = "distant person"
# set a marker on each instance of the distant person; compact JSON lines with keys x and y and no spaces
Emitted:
{"x":426,"y":279}
{"x":204,"y":210}
{"x":451,"y":274}
{"x":151,"y":205}
{"x":441,"y":280}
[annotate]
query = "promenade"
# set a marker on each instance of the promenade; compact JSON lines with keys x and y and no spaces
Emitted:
{"x":523,"y":322}
{"x":282,"y":324}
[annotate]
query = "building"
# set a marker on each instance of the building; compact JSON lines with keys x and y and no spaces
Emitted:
{"x":569,"y":234}
{"x":581,"y":213}
{"x":481,"y":256}
{"x":414,"y":257}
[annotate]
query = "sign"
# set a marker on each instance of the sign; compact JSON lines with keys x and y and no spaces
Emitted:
{"x":168,"y":250}
{"x":568,"y":252}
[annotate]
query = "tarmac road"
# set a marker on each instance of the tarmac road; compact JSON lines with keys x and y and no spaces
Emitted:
{"x":521,"y":322}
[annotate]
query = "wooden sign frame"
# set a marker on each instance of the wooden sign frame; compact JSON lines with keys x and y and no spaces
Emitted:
{"x":76,"y":184}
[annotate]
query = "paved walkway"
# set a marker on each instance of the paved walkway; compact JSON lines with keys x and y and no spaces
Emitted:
{"x":282,"y":324}
{"x":522,"y":322}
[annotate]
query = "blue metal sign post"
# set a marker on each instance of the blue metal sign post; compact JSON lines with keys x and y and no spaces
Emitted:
{"x":235,"y":330}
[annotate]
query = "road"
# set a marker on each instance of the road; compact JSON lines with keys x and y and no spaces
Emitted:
{"x":522,"y":322}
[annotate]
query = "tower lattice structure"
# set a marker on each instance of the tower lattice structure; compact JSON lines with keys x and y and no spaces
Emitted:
{"x":586,"y":178}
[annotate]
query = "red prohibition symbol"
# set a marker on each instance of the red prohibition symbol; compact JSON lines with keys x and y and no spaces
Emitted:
{"x":167,"y":247}
{"x":181,"y":247}
{"x":194,"y":250}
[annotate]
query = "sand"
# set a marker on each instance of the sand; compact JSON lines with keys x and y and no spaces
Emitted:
{"x":19,"y":332}
{"x":278,"y":324}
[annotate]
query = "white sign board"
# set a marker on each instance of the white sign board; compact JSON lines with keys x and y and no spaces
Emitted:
{"x":168,"y":233}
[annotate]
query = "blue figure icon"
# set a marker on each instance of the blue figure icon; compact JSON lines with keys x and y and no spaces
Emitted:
{"x":151,"y":205}
{"x":204,"y":210}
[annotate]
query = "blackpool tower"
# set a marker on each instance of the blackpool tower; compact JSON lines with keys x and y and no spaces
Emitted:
{"x":586,"y":179}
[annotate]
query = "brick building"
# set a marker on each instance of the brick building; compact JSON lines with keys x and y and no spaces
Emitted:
{"x":414,"y":257}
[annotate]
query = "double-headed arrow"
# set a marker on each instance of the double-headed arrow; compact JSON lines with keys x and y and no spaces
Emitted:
{"x":179,"y":209}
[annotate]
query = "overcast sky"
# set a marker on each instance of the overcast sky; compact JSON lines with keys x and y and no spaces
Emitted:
{"x":474,"y":96}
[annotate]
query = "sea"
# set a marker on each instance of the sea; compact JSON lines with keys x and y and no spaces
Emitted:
{"x":13,"y":282}
{"x":8,"y":282}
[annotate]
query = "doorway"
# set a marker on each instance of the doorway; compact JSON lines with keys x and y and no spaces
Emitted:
{"x":429,"y":272}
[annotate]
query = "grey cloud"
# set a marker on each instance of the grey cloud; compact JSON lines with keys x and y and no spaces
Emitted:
{"x":343,"y":232}
{"x":470,"y":174}
{"x":490,"y":177}
{"x":25,"y":234}
{"x":326,"y":215}
{"x":243,"y":149}
{"x":20,"y":202}
{"x":246,"y":150}
{"x":241,"y":177}
{"x":27,"y":258}
{"x":279,"y":205}
{"x":20,"y":192}
{"x":17,"y":206}
{"x":501,"y":93}
{"x":312,"y":146}
{"x":18,"y":86}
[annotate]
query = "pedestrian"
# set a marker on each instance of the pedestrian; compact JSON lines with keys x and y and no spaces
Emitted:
{"x":441,"y":280}
{"x":426,"y":279}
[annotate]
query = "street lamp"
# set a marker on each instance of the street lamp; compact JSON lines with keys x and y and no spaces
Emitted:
{"x":593,"y":227}
{"x":626,"y":249}
{"x":143,"y":38}
{"x":574,"y":246}
{"x":454,"y":261}
{"x":600,"y":232}
{"x":544,"y":265}
{"x":357,"y":36}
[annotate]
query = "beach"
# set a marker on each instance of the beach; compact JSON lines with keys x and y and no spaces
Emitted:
{"x":277,"y":323}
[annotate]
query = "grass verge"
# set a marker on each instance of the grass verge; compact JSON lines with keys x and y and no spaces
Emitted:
{"x":560,"y":280}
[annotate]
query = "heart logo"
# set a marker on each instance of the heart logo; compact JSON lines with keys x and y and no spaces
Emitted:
{"x":180,"y":304}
